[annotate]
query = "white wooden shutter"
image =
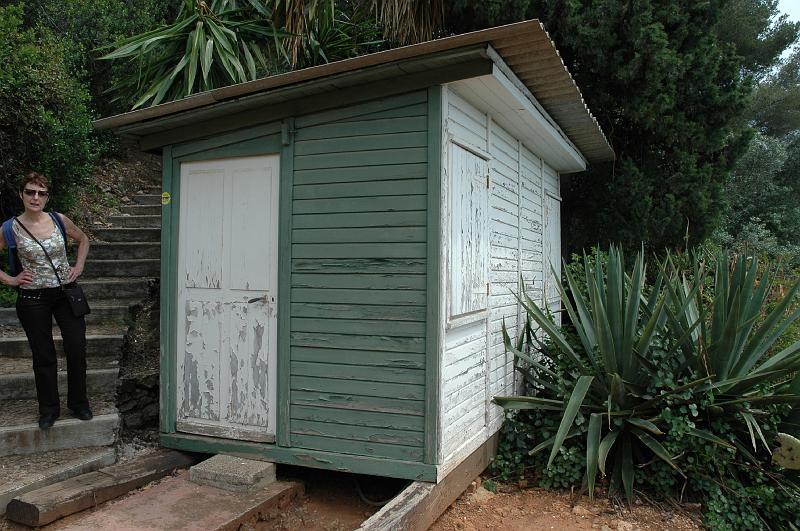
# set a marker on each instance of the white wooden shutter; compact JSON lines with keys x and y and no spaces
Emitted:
{"x":468,"y":258}
{"x":552,"y":247}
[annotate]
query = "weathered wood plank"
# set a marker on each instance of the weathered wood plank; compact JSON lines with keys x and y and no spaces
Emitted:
{"x":394,"y":203}
{"x":420,"y":504}
{"x":363,"y":142}
{"x":303,"y":457}
{"x":361,"y":189}
{"x":375,"y":419}
{"x":42,"y":506}
{"x":361,"y":281}
{"x":385,"y":343}
{"x":420,"y":109}
{"x":361,"y":174}
{"x":405,"y":124}
{"x":357,"y":433}
{"x":363,"y":358}
{"x":360,"y":219}
{"x":359,"y":266}
{"x":359,"y":326}
{"x":362,"y":158}
{"x":359,"y":311}
{"x":359,"y":388}
{"x":359,"y":296}
{"x":359,"y":250}
{"x":363,"y":110}
{"x":356,"y":372}
{"x":344,"y":446}
{"x":199,"y":396}
{"x":358,"y":403}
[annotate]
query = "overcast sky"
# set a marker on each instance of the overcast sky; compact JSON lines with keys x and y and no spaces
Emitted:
{"x":790,"y":7}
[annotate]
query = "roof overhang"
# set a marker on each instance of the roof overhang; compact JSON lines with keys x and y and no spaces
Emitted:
{"x":524,"y":49}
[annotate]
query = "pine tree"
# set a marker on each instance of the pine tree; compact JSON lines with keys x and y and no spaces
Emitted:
{"x":669,"y":92}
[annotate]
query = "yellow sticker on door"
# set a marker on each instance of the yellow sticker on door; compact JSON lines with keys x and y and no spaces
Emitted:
{"x":165,"y":198}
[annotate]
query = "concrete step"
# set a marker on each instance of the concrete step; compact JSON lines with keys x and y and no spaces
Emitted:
{"x":141,"y":210}
{"x":135,"y":221}
{"x":96,"y":346}
{"x":20,"y":433}
{"x":149,"y":267}
{"x":66,"y":433}
{"x":146,"y":199}
{"x":17,"y":381}
{"x":115,"y":288}
{"x":123,"y":234}
{"x":110,"y":311}
{"x":125,"y":251}
{"x":21,"y":474}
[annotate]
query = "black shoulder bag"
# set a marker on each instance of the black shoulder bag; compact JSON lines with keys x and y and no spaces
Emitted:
{"x":77,"y":300}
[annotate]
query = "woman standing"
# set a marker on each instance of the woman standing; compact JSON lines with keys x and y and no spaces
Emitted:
{"x":40,"y":298}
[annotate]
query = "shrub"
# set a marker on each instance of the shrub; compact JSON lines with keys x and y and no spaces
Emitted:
{"x":677,"y":377}
{"x":44,"y":120}
{"x":82,"y":26}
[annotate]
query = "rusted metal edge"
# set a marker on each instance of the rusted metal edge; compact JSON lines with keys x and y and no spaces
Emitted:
{"x":420,"y":504}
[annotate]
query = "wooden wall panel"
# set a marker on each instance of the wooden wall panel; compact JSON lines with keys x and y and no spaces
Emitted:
{"x":358,"y":282}
{"x":475,"y":364}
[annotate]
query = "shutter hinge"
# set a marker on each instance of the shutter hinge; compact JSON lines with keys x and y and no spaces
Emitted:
{"x":487,"y":289}
{"x":487,"y":180}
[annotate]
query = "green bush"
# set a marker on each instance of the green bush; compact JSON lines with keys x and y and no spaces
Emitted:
{"x":45,"y":123}
{"x":673,"y":385}
{"x":82,"y":26}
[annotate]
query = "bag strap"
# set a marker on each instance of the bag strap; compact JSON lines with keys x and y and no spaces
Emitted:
{"x":60,"y":224}
{"x":43,"y":249}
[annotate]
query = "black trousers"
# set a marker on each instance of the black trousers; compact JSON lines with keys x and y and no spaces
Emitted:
{"x":36,"y":309}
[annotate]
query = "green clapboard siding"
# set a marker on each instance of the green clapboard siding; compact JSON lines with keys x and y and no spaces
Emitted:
{"x":358,"y":279}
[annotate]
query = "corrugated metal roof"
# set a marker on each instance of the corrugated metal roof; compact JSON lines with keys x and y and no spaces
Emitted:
{"x":524,"y":46}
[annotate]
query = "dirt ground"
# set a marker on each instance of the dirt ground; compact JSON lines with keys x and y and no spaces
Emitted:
{"x":333,"y":501}
{"x":533,"y":509}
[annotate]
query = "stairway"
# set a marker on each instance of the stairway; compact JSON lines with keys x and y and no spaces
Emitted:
{"x":123,"y":261}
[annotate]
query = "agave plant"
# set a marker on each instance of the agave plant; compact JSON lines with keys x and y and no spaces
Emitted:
{"x":624,"y":327}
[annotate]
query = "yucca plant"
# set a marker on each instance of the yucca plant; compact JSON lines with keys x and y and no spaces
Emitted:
{"x":730,"y":338}
{"x":629,"y":333}
{"x":210,"y":44}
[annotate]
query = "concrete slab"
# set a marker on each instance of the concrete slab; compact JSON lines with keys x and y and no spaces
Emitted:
{"x":233,"y":473}
{"x":177,"y":503}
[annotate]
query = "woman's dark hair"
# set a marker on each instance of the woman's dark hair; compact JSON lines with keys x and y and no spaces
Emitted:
{"x":34,"y":178}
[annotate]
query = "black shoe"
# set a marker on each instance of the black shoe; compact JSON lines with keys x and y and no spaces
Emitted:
{"x":83,"y":414}
{"x":47,"y":421}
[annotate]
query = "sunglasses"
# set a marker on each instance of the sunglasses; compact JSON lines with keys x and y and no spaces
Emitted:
{"x":40,"y":193}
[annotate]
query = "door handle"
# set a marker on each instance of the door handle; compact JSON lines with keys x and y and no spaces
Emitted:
{"x":251,"y":301}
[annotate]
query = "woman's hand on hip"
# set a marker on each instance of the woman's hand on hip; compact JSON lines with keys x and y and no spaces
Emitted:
{"x":26,"y":277}
{"x":74,"y":273}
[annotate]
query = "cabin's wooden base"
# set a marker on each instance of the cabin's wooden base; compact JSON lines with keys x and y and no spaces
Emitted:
{"x":420,"y":504}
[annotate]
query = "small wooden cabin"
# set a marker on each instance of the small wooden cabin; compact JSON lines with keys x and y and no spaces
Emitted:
{"x":341,"y":244}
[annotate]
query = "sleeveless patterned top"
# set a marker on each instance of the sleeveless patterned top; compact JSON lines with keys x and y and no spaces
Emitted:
{"x":34,"y":260}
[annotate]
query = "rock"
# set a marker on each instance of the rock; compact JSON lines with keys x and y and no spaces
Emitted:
{"x":621,"y":525}
{"x":125,"y":199}
{"x":481,"y":494}
{"x":580,"y":510}
{"x":787,"y":454}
